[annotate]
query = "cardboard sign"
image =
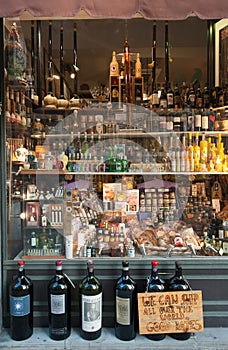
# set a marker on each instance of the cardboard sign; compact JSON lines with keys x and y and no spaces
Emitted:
{"x":170,"y":312}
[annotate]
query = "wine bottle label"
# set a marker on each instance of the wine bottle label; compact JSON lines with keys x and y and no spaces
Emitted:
{"x":58,"y":304}
{"x":20,"y":306}
{"x":123,"y":311}
{"x":91,"y":312}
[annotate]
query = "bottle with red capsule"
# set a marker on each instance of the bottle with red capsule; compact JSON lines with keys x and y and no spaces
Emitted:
{"x":21,"y":305}
{"x":155,"y":284}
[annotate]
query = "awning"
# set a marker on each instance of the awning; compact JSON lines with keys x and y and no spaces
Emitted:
{"x":149,"y":9}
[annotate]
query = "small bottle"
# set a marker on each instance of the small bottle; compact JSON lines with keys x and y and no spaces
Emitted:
{"x":179,"y":283}
{"x":59,"y":305}
{"x":21,"y":305}
{"x":90,"y":302}
{"x":114,"y":66}
{"x":126,"y":305}
{"x":138,"y":67}
{"x":155,"y":284}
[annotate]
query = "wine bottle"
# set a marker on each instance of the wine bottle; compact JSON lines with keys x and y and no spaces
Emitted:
{"x":126,"y":305}
{"x":155,"y":284}
{"x":178,"y":283}
{"x":90,"y":302}
{"x":21,"y":305}
{"x":59,"y":305}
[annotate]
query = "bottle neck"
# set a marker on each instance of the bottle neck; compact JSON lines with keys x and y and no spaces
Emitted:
{"x":21,"y":271}
{"x":90,"y":271}
{"x":154,"y":271}
{"x":59,"y":270}
{"x":179,"y":273}
{"x":125,"y":272}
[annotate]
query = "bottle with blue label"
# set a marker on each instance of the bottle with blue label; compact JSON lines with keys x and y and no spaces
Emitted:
{"x":21,"y":305}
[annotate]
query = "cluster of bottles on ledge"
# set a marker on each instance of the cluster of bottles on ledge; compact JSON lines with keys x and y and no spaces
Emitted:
{"x":191,"y":96}
{"x":90,"y":292}
{"x":195,"y":153}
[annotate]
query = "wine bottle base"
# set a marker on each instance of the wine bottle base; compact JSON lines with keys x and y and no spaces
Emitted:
{"x":90,"y":336}
{"x":180,"y":336}
{"x":19,"y":338}
{"x":60,"y":337}
{"x":156,"y":337}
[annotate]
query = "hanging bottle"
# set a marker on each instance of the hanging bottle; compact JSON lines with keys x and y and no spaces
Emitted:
{"x":127,"y":72}
{"x":21,"y":305}
{"x":126,"y":305}
{"x":179,"y":283}
{"x":59,"y":305}
{"x":90,"y":303}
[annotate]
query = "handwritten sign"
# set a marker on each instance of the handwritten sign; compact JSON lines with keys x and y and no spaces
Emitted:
{"x":170,"y":312}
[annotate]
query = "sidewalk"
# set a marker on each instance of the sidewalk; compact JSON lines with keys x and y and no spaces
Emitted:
{"x":210,"y":338}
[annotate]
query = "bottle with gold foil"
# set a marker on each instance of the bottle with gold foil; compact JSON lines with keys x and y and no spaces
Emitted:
{"x":114,"y":66}
{"x":138,"y":67}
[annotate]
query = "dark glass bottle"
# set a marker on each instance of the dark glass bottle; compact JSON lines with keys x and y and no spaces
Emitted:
{"x":59,"y":305}
{"x":90,"y":302}
{"x":21,"y":305}
{"x":155,"y":284}
{"x":177,"y":97}
{"x":179,"y":283}
{"x":126,"y":305}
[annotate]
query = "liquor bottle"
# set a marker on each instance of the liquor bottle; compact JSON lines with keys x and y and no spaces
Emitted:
{"x":155,"y":98}
{"x":196,"y":152}
{"x":155,"y":284}
{"x":206,"y":97}
{"x":191,"y":96}
{"x":127,"y":72}
{"x":90,"y":302}
{"x":126,"y":305}
{"x":59,"y":305}
{"x":21,"y":305}
{"x":114,"y":66}
{"x":138,"y":67}
{"x":179,"y":283}
{"x":163,"y":98}
{"x":170,"y":97}
{"x":203,"y":154}
{"x":177,"y":97}
{"x":199,"y":98}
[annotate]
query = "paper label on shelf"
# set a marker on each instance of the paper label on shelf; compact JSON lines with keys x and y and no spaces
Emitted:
{"x":91,"y":312}
{"x":20,"y":306}
{"x":123,"y":311}
{"x":58,"y":304}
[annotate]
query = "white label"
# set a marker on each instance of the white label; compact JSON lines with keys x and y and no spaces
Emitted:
{"x":205,"y":122}
{"x":91,"y":312}
{"x":58,"y":304}
{"x":198,"y":120}
{"x":123,"y":311}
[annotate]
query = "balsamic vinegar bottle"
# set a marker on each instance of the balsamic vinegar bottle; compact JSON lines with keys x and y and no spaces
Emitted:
{"x":126,"y":305}
{"x":21,"y":305}
{"x":155,"y":284}
{"x":179,"y":283}
{"x":90,"y":303}
{"x":59,"y":305}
